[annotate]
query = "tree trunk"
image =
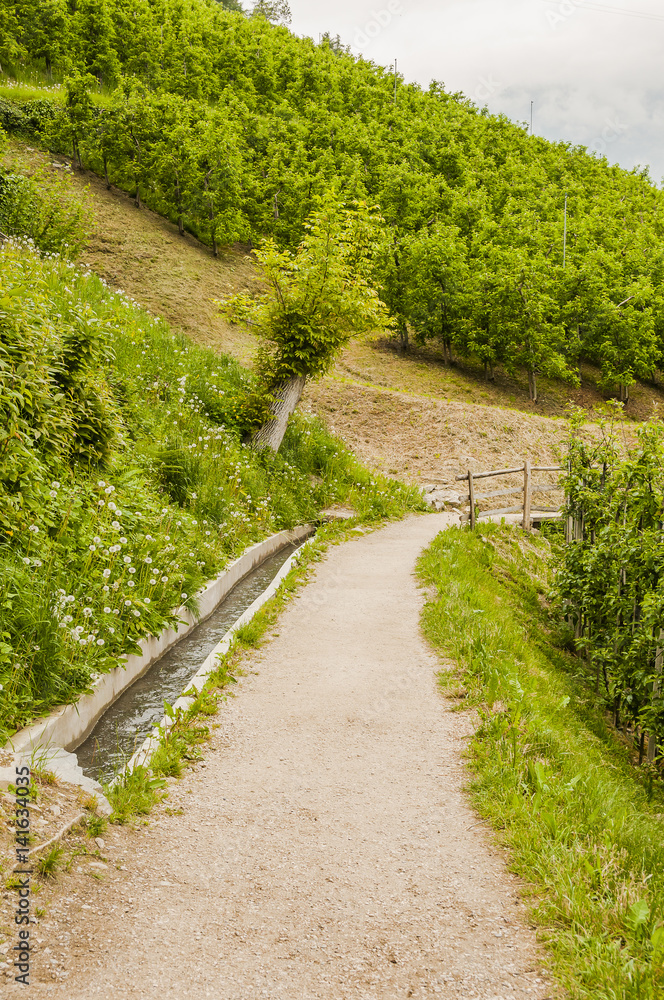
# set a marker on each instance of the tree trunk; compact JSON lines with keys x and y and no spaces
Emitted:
{"x":403,"y":336}
{"x":178,"y":202}
{"x":108,"y":183}
{"x":286,"y":398}
{"x":532,"y":385}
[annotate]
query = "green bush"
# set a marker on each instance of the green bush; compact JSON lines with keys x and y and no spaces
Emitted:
{"x":45,"y":210}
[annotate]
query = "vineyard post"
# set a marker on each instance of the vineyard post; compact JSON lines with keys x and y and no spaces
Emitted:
{"x":659,"y":662}
{"x":471,"y":497}
{"x":526,"y":495}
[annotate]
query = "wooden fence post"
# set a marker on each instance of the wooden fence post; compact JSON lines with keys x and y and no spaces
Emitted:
{"x":659,"y":663}
{"x":471,"y":497}
{"x":526,"y":495}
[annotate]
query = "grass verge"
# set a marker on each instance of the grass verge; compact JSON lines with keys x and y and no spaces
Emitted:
{"x":582,"y":827}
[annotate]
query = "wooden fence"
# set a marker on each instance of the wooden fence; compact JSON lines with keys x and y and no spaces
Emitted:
{"x":526,"y":490}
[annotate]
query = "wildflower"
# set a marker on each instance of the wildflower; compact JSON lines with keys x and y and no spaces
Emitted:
{"x":132,"y":569}
{"x":101,"y":483}
{"x":127,"y":604}
{"x":26,"y":560}
{"x":67,"y":619}
{"x":87,"y":612}
{"x":93,"y":548}
{"x":101,"y":503}
{"x":116,"y":611}
{"x":123,"y":541}
{"x":130,"y":583}
{"x":114,"y":548}
{"x":152,"y":583}
{"x":164,"y":579}
{"x":105,"y":589}
{"x":52,"y":493}
{"x":116,"y":525}
{"x":111,"y":630}
{"x":111,"y":505}
{"x":127,"y":559}
{"x":109,"y":489}
{"x":33,"y":528}
{"x":136,"y":614}
{"x":147,"y":560}
{"x":55,"y":485}
{"x":100,"y":642}
{"x":106,"y":573}
{"x":107,"y":611}
{"x":184,"y":596}
{"x":97,"y":540}
{"x":147,"y":600}
{"x":91,"y":638}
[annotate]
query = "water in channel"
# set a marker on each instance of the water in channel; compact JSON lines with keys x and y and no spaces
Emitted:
{"x":127,"y":722}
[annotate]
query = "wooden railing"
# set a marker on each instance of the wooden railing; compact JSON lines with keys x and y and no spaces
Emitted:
{"x":527,"y":490}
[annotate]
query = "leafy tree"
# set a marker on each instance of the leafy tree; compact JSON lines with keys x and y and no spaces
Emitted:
{"x":94,"y":34}
{"x":318,"y":297}
{"x":437,"y":297}
{"x":219,"y":167}
{"x":275,"y":11}
{"x":71,"y":125}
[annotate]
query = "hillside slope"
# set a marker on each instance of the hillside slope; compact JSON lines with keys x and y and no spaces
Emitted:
{"x":406,"y":415}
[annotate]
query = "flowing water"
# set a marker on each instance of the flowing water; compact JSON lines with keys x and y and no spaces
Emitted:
{"x":124,"y":726}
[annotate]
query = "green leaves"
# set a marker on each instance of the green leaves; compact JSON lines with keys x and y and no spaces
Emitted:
{"x":318,"y":297}
{"x":611,"y":578}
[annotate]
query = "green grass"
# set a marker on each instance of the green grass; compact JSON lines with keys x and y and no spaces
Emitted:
{"x":583,"y":825}
{"x":49,"y":863}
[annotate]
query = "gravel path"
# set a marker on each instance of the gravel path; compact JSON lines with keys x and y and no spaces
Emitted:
{"x":326,"y":849}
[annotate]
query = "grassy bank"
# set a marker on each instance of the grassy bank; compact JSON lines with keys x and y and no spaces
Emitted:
{"x":584,"y":827}
{"x":124,"y":479}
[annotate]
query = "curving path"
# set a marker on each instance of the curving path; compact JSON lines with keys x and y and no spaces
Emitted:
{"x":326,"y":849}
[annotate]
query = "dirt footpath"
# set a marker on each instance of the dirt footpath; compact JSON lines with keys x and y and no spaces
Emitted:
{"x":326,"y":849}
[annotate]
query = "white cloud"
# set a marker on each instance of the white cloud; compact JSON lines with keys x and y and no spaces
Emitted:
{"x":594,"y":76}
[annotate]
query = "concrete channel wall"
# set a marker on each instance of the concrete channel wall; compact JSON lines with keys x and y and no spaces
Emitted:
{"x":68,"y":725}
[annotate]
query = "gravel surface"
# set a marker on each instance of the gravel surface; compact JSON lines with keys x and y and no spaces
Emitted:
{"x":326,"y":848}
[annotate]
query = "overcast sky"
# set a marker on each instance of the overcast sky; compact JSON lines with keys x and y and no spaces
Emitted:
{"x":595,"y":71}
